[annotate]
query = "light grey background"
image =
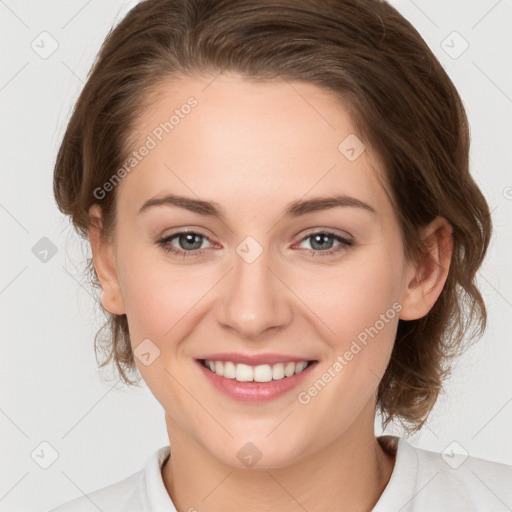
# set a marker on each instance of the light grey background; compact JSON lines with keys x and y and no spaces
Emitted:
{"x":51,"y":388}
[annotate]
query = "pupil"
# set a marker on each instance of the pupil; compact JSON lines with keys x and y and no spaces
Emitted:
{"x":188,"y":239}
{"x":321,"y":238}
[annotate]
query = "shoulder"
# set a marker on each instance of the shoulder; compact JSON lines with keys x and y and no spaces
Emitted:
{"x":121,"y":496}
{"x":482,"y":483}
{"x":449,"y":481}
{"x":138,"y":492}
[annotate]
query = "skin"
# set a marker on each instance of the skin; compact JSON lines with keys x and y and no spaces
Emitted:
{"x":254,"y":148}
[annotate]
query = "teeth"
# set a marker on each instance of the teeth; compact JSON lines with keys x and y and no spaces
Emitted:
{"x":260,"y":373}
{"x":300,"y":366}
{"x":243,"y":373}
{"x":219,"y":368}
{"x":229,"y":370}
{"x":278,"y":371}
{"x":289,"y":369}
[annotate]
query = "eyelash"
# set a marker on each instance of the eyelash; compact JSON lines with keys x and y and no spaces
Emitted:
{"x":164,"y":243}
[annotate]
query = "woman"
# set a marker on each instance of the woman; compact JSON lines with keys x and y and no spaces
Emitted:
{"x":286,"y":236}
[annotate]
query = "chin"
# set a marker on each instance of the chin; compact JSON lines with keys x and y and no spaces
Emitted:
{"x":254,"y":455}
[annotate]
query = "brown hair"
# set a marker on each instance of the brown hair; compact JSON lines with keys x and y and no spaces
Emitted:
{"x":402,"y":103}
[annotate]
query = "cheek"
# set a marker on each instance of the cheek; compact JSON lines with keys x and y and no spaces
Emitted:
{"x":147,"y":297}
{"x":356,"y":296}
{"x":359,"y":306}
{"x":164,"y":303}
{"x":156,"y":294}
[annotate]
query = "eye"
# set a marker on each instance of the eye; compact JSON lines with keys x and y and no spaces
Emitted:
{"x":322,"y":243}
{"x":189,"y":243}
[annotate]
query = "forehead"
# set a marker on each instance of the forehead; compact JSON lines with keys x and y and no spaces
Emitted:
{"x":242,"y":142}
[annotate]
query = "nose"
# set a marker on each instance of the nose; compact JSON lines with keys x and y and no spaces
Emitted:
{"x":255,"y":299}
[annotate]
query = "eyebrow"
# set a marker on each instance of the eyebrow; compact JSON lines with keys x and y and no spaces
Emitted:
{"x":294,"y":209}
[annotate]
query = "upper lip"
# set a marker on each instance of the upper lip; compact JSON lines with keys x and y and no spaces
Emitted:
{"x":254,"y":359}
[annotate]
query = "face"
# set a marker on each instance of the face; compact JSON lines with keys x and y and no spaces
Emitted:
{"x":272,"y":277}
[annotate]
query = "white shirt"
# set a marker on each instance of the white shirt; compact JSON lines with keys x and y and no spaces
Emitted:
{"x":422,"y":481}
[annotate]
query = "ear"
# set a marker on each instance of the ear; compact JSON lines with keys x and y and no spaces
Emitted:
{"x":425,"y":280}
{"x":104,"y":264}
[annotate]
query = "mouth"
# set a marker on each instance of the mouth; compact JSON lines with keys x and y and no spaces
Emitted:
{"x":258,"y":373}
{"x":255,"y":383}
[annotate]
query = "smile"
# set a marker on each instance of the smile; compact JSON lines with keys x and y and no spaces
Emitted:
{"x":260,"y":373}
{"x":254,"y":383}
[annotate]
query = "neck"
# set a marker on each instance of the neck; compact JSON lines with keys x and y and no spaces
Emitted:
{"x":348,"y":474}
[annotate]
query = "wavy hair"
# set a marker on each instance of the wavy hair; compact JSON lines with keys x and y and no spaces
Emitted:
{"x":402,"y":102}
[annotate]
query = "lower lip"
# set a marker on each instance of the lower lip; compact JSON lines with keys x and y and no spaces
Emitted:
{"x":255,"y":391}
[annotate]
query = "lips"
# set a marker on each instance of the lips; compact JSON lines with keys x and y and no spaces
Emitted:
{"x":255,"y":359}
{"x":255,"y":378}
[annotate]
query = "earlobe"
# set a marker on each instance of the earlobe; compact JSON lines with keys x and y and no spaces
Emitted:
{"x":104,"y":264}
{"x":425,"y":280}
